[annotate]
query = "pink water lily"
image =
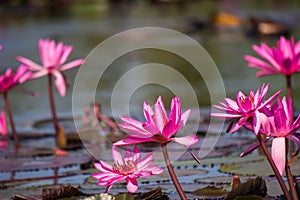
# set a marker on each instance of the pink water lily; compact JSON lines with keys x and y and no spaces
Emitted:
{"x":128,"y":167}
{"x":159,"y":127}
{"x":53,"y":57}
{"x":285,"y":59}
{"x":247,"y":107}
{"x":9,"y":79}
{"x":282,"y":126}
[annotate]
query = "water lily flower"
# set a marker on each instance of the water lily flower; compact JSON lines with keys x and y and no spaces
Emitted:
{"x":246,"y":108}
{"x":159,"y":127}
{"x":285,"y":59}
{"x":282,"y":127}
{"x":9,"y":79}
{"x":53,"y":57}
{"x":129,"y":167}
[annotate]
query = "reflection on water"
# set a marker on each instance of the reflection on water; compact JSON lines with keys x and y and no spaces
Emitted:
{"x":85,"y":25}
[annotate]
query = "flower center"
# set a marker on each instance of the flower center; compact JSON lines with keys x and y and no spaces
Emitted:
{"x":247,"y":102}
{"x":128,"y":167}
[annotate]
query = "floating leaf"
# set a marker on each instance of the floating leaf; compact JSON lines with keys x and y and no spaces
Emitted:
{"x":251,"y":187}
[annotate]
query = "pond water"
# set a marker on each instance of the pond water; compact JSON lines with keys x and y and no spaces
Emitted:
{"x":85,"y":25}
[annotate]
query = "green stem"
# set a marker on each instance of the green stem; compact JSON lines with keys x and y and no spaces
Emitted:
{"x":171,"y":172}
{"x":11,"y":120}
{"x":52,"y":105}
{"x":278,"y":176}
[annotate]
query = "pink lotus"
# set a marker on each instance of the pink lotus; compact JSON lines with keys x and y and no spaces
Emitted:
{"x":53,"y":57}
{"x":246,"y":108}
{"x":9,"y":79}
{"x":159,"y":127}
{"x":285,"y":59}
{"x":282,"y":126}
{"x":3,"y":124}
{"x":129,"y":167}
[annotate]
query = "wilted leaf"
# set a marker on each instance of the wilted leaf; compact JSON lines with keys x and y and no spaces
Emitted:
{"x":210,"y":191}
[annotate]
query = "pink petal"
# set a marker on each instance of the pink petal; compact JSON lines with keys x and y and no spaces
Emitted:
{"x":185,"y":116}
{"x":132,"y":122}
{"x":162,"y":106}
{"x":66,"y":52}
{"x":279,"y":154}
{"x":132,"y":185}
{"x":186,"y":140}
{"x":72,"y":64}
{"x":175,"y":115}
{"x":3,"y":123}
{"x":239,"y":124}
{"x":136,"y":131}
{"x":264,"y":53}
{"x":169,"y":129}
{"x":252,"y":147}
{"x":132,"y":140}
{"x":42,"y":72}
{"x":148,"y":112}
{"x":151,"y":128}
{"x":29,"y":63}
{"x":160,"y":117}
{"x":257,"y":63}
{"x":145,"y":162}
{"x":224,"y":115}
{"x":60,"y":83}
{"x":117,"y":157}
{"x":103,"y":166}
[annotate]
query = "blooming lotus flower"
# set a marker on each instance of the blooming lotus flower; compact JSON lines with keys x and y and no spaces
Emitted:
{"x":9,"y":79}
{"x":246,"y":108}
{"x":159,"y":127}
{"x":53,"y":57}
{"x":129,"y":167}
{"x":281,"y":126}
{"x":3,"y":124}
{"x":285,"y":59}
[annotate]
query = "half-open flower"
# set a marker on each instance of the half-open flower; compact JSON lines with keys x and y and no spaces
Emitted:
{"x":53,"y":57}
{"x":9,"y":79}
{"x":281,"y":126}
{"x":285,"y":59}
{"x":129,"y":167}
{"x":246,"y":108}
{"x":159,"y":127}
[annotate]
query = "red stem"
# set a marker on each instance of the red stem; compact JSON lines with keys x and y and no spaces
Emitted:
{"x":171,"y":172}
{"x":11,"y":120}
{"x":52,"y":105}
{"x":290,"y":147}
{"x":289,"y":86}
{"x":278,"y":176}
